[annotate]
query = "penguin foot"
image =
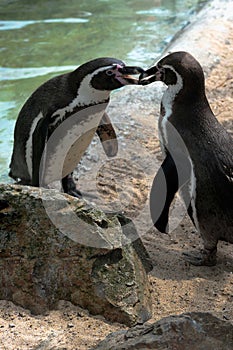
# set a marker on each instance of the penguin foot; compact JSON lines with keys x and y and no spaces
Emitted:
{"x":3,"y":204}
{"x":205,"y":257}
{"x":69,"y":187}
{"x":74,"y":193}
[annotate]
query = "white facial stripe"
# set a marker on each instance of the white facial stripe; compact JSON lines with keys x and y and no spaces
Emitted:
{"x":29,"y":143}
{"x":168,"y":99}
{"x":86,"y":95}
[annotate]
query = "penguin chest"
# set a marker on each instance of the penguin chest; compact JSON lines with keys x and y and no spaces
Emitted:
{"x":69,"y":141}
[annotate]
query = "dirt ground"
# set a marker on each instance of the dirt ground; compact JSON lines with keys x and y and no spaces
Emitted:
{"x":176,"y":286}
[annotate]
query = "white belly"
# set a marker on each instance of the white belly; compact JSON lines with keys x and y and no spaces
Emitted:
{"x":69,"y":141}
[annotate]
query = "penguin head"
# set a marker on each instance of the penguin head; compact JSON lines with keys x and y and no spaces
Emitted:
{"x":178,"y":70}
{"x":107,"y":74}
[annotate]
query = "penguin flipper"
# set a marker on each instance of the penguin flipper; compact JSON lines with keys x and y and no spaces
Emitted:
{"x":39,"y":139}
{"x":163,"y":190}
{"x":107,"y":136}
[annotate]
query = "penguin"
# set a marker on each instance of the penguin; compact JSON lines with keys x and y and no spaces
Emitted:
{"x":58,"y":121}
{"x":198,"y":156}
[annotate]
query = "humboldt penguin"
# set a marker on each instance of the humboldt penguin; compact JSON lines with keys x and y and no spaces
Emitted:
{"x":58,"y":121}
{"x":198,"y":156}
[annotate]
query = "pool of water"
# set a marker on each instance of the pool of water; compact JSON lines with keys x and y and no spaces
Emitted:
{"x":40,"y":39}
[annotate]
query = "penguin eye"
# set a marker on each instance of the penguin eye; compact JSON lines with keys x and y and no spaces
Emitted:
{"x":109,"y":72}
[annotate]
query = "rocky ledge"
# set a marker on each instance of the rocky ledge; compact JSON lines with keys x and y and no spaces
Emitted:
{"x":194,"y":331}
{"x":55,"y":247}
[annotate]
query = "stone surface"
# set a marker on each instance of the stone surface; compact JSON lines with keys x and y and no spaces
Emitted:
{"x":190,"y":331}
{"x":205,"y":34}
{"x":55,"y":247}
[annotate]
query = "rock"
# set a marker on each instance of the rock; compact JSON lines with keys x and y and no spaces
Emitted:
{"x":55,"y":247}
{"x":194,"y":331}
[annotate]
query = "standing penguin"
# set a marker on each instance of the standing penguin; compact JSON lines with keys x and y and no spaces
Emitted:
{"x":58,"y":121}
{"x":198,"y":156}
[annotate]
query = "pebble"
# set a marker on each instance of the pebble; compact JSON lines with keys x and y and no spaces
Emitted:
{"x":11,"y":325}
{"x":226,"y":317}
{"x":93,"y":157}
{"x":130,"y":283}
{"x":70,"y":325}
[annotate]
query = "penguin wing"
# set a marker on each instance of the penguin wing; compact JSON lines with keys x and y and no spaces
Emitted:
{"x":39,"y":139}
{"x":107,"y":136}
{"x":164,"y":188}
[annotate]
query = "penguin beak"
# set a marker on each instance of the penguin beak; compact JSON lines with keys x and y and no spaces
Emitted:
{"x":152,"y":74}
{"x":126,"y":73}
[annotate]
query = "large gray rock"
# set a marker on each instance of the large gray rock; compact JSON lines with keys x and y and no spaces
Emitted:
{"x":191,"y":331}
{"x":55,"y":247}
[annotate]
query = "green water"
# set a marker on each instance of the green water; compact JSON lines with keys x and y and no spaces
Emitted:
{"x":40,"y":39}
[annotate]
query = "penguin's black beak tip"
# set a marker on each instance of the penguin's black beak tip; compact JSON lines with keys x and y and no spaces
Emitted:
{"x":150,"y":75}
{"x":142,"y":79}
{"x":131,"y":70}
{"x":143,"y":75}
{"x":128,"y":72}
{"x":145,"y":78}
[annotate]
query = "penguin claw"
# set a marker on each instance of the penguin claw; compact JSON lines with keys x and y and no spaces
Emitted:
{"x":203,"y":258}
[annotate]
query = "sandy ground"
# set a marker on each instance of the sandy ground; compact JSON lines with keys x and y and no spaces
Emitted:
{"x":176,"y":286}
